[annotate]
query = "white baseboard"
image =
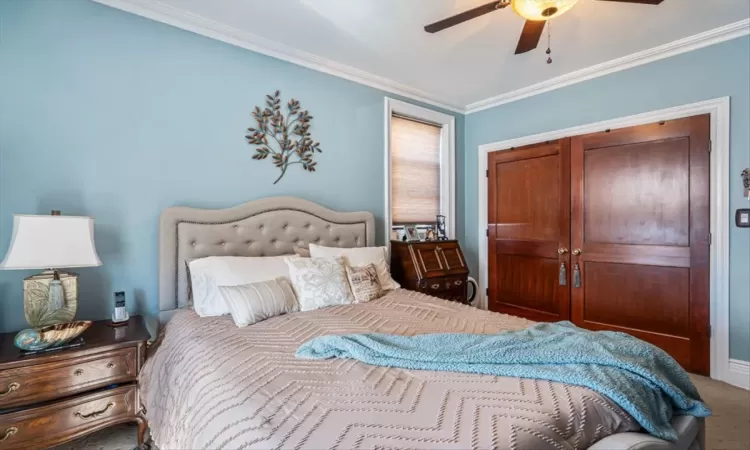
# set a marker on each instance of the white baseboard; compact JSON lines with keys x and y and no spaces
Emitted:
{"x":739,"y":373}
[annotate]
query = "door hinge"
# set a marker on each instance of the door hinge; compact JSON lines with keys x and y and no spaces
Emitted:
{"x":487,"y":292}
{"x":488,"y":232}
{"x":710,"y":331}
{"x":710,"y":146}
{"x":710,"y":239}
{"x":487,"y":173}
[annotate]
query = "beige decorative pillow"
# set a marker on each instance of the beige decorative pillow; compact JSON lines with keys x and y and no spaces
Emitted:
{"x":319,"y":282}
{"x":364,"y":283}
{"x":359,"y":257}
{"x":251,"y":303}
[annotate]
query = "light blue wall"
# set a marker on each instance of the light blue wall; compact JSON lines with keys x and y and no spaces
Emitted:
{"x":716,"y":71}
{"x":107,"y":114}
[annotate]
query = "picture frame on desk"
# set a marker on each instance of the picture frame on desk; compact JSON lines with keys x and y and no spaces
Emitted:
{"x":412,"y":234}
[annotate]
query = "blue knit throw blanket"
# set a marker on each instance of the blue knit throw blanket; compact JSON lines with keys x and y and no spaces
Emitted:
{"x":641,"y":378}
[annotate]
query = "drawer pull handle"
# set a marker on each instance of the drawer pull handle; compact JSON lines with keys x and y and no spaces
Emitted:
{"x":8,"y":433}
{"x":110,"y":365}
{"x":11,"y":387}
{"x":459,"y":282}
{"x":435,"y":286}
{"x":94,"y":414}
{"x":78,"y":372}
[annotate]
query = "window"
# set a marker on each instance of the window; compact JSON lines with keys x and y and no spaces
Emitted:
{"x":419,"y":163}
{"x":415,"y":171}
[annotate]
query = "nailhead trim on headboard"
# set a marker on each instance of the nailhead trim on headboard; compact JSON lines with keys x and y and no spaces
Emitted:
{"x":285,"y":226}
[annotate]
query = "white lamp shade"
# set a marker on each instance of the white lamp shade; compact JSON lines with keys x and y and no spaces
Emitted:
{"x":51,"y":242}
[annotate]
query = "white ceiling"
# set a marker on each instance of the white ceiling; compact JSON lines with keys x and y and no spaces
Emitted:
{"x":459,"y":66}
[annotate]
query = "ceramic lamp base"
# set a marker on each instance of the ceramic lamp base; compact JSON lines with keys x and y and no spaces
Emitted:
{"x":38,"y":309}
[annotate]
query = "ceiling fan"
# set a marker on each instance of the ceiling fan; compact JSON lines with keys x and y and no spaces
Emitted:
{"x":536,"y":13}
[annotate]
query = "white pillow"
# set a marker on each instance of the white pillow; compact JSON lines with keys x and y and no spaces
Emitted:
{"x":360,"y":257}
{"x":319,"y":282}
{"x":207,"y":274}
{"x":251,"y":303}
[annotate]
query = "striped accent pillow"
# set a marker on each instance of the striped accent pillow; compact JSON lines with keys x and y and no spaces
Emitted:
{"x":251,"y":303}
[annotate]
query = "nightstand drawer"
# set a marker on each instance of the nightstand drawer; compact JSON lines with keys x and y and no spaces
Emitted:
{"x":27,"y":385}
{"x":62,"y":421}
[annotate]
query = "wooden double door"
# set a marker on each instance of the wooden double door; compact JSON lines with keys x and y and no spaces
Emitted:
{"x":609,"y":230}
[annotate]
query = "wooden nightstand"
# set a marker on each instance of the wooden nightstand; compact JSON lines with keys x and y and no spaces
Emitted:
{"x":55,"y":397}
{"x":437,"y":268}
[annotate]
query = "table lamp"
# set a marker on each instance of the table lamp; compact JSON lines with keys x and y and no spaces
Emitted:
{"x":51,"y":242}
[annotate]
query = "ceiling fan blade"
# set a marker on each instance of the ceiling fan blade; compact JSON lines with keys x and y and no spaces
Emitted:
{"x":532,"y":32}
{"x":642,"y":2}
{"x":464,"y":16}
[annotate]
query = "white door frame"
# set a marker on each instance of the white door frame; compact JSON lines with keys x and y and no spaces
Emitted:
{"x":447,"y":161}
{"x":719,"y":182}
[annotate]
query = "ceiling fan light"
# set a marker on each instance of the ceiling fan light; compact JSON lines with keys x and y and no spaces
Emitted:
{"x":542,"y":9}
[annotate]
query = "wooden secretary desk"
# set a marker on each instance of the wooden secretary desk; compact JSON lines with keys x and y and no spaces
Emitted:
{"x":437,"y":268}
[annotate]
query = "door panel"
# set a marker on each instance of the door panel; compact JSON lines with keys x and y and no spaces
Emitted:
{"x":622,"y":194}
{"x":531,"y":208}
{"x":527,"y":285}
{"x":529,"y":220}
{"x":631,"y":305}
{"x":640,"y":219}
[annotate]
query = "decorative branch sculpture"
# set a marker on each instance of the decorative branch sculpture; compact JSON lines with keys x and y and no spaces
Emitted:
{"x":280,"y":130}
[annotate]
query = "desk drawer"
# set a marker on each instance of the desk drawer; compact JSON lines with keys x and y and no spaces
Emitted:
{"x":447,"y":288}
{"x":438,"y":284}
{"x":59,"y":422}
{"x":28,"y":385}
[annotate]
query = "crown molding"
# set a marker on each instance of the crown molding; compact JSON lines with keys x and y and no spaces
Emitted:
{"x":690,"y":43}
{"x":160,"y":12}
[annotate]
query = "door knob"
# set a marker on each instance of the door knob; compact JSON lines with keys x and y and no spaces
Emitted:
{"x":562,"y":251}
{"x":577,"y":251}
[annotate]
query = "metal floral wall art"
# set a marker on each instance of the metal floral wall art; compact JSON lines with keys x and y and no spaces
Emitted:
{"x":286,"y":139}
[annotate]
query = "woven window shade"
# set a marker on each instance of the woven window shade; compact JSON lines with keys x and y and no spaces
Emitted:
{"x":415,"y":171}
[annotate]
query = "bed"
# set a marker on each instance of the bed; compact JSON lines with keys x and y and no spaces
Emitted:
{"x":210,"y":384}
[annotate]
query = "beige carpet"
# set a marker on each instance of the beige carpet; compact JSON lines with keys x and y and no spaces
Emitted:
{"x":728,"y":428}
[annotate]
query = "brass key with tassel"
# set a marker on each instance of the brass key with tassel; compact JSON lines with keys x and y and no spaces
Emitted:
{"x":577,"y":269}
{"x":563,"y":277}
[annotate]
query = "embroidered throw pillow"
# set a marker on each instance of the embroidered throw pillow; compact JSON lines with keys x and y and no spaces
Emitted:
{"x":364,"y":283}
{"x":319,"y":282}
{"x":251,"y":303}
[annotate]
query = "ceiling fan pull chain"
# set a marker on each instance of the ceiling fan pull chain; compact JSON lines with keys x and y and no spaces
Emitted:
{"x":549,"y":41}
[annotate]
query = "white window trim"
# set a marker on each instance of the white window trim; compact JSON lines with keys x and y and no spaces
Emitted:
{"x":722,"y":368}
{"x":447,"y":160}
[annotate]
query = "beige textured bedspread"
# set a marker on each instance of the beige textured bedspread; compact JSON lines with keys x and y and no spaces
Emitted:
{"x":212,"y":385}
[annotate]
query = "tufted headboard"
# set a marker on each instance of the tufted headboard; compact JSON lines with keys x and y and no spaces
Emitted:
{"x":267,"y":227}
